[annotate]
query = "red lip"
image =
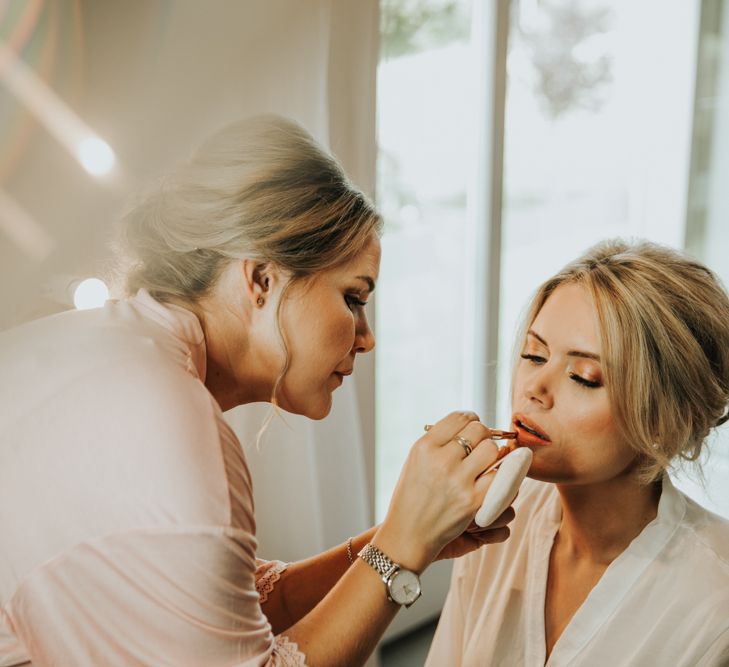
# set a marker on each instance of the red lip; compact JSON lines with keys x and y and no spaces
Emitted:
{"x":526,"y":437}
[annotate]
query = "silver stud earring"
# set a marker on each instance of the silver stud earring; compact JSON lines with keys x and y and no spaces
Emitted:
{"x":260,"y":301}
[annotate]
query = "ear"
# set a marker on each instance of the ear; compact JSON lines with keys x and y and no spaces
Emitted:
{"x":257,"y":278}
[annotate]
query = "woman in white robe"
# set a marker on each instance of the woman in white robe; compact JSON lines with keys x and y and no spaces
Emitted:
{"x":623,"y":368}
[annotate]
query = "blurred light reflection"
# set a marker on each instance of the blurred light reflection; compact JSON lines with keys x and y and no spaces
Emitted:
{"x":62,"y":123}
{"x":90,"y":293}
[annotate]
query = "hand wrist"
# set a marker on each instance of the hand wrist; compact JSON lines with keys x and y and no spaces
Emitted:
{"x":402,"y":586}
{"x":406,"y":553}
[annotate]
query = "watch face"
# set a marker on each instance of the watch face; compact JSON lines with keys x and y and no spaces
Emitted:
{"x":404,"y":587}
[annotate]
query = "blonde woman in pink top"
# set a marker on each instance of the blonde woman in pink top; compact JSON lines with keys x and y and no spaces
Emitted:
{"x":126,"y":515}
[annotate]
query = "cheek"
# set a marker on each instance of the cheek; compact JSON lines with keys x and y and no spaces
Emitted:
{"x":592,"y":418}
{"x":593,"y":436}
{"x":334,"y":336}
{"x":343,"y":330}
{"x":588,"y":422}
{"x":325,"y":343}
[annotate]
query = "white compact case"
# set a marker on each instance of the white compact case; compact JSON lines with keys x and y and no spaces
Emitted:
{"x":510,"y":474}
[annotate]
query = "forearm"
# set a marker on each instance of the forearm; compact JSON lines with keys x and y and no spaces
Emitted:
{"x":344,"y":628}
{"x":305,"y":583}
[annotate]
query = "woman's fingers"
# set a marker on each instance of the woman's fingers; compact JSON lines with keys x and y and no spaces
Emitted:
{"x":504,"y":519}
{"x":467,"y":440}
{"x":449,"y":427}
{"x":493,"y":536}
{"x":474,"y":433}
{"x":490,"y":536}
{"x":484,"y":454}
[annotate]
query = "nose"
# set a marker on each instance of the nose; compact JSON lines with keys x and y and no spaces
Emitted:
{"x":538,"y":387}
{"x":364,"y":337}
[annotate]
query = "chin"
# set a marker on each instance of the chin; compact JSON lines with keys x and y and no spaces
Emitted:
{"x":319,"y":413}
{"x":553,"y":471}
{"x":547,"y":477}
{"x":312,"y":409}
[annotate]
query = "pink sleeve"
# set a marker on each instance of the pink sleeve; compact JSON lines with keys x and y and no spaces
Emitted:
{"x":181,"y":596}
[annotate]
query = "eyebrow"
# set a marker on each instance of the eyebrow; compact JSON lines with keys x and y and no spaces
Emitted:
{"x":571,"y":353}
{"x":369,"y":281}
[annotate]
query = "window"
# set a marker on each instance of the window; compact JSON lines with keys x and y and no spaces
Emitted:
{"x":598,"y":140}
{"x":425,"y":133}
{"x":707,"y":231}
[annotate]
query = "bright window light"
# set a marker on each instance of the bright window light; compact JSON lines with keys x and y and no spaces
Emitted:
{"x":96,"y":156}
{"x":90,"y":293}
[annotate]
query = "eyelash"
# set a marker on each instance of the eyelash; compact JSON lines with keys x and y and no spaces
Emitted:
{"x":589,"y":384}
{"x":535,"y":359}
{"x":354,"y":302}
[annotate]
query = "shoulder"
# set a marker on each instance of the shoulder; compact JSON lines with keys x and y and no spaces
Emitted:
{"x":708,"y":534}
{"x":112,"y":399}
{"x":113,"y":366}
{"x":106,"y":349}
{"x":698,"y":557}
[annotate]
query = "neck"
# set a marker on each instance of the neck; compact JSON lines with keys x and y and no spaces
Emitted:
{"x":230,"y":391}
{"x":599,"y":521}
{"x":236,"y":372}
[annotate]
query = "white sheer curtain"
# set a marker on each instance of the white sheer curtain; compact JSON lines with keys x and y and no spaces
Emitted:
{"x":308,"y":477}
{"x":312,"y":480}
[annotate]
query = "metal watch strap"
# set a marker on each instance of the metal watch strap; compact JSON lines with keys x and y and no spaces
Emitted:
{"x":371,"y":555}
{"x":401,"y":585}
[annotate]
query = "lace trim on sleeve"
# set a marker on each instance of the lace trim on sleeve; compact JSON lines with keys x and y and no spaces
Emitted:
{"x":288,"y":652}
{"x":267,"y":574}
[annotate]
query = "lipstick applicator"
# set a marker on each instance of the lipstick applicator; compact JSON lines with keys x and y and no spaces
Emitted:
{"x":494,"y":433}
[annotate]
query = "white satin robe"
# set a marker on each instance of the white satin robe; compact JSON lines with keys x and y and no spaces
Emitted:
{"x":664,"y":602}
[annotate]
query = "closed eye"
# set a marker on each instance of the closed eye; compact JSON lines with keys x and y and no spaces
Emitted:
{"x":592,"y":384}
{"x":534,"y":358}
{"x":353,"y":302}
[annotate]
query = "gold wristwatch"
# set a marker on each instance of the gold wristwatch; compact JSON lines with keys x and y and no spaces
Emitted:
{"x":401,"y":586}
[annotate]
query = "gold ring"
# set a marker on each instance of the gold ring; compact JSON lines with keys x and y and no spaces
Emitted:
{"x":465,"y":443}
{"x":427,"y":427}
